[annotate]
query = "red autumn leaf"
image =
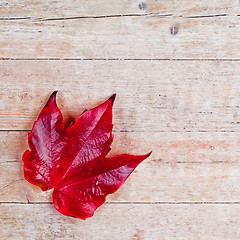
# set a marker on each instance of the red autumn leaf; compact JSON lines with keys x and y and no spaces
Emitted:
{"x":73,"y":160}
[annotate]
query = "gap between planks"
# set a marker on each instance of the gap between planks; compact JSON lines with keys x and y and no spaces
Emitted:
{"x":135,"y":203}
{"x":123,"y":59}
{"x":139,"y":131}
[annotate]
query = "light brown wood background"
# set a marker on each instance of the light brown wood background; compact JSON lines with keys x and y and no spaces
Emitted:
{"x":175,"y":66}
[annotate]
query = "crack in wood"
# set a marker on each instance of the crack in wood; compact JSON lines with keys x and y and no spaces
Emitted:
{"x":151,"y":14}
{"x":8,"y":185}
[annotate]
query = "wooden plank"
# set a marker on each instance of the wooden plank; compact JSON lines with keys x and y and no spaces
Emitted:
{"x":166,"y":147}
{"x":183,"y":167}
{"x":188,"y":188}
{"x":151,"y":95}
{"x":124,"y":221}
{"x":130,"y":37}
{"x":151,"y":182}
{"x":88,"y":8}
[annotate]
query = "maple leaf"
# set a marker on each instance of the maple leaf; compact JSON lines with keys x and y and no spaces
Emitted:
{"x":73,"y":161}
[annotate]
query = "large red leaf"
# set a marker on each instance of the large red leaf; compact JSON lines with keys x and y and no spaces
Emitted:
{"x":72,"y":160}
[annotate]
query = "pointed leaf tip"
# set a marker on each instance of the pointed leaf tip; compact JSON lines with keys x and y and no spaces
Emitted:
{"x":52,"y":97}
{"x":148,"y":154}
{"x":112,"y":98}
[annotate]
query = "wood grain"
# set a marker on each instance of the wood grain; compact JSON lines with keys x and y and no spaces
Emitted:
{"x":91,"y":8}
{"x":175,"y":68}
{"x":131,"y":37}
{"x":151,"y":95}
{"x":151,"y":182}
{"x":183,"y":167}
{"x":126,"y":221}
{"x":167,"y":147}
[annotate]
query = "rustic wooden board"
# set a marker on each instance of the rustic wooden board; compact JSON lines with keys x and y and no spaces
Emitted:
{"x":131,"y":37}
{"x":167,"y":147}
{"x":151,"y":95}
{"x":183,"y":167}
{"x":106,"y":8}
{"x":122,"y":221}
{"x":151,"y":182}
{"x":175,"y":68}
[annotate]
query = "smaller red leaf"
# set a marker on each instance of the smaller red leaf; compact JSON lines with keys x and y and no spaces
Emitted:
{"x":72,"y":159}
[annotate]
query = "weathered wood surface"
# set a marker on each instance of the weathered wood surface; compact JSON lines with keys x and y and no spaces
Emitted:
{"x":151,"y":95}
{"x":186,"y":111}
{"x":123,"y":221}
{"x":133,"y":37}
{"x":184,"y":167}
{"x":106,"y":8}
{"x":167,"y":147}
{"x":186,"y":182}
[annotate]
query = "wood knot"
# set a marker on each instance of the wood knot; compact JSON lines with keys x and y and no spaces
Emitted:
{"x":174,"y":30}
{"x":142,"y":6}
